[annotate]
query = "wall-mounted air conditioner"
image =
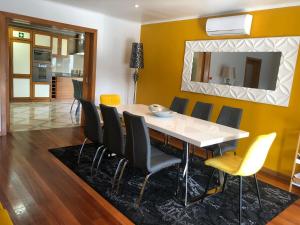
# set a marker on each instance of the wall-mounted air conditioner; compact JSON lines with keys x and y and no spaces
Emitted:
{"x":229,"y":25}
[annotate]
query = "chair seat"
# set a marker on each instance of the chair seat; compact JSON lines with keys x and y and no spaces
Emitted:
{"x":160,"y":160}
{"x":225,"y":146}
{"x":228,"y":163}
{"x":4,"y":218}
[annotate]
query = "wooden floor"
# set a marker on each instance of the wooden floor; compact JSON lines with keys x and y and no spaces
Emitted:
{"x":37,"y":189}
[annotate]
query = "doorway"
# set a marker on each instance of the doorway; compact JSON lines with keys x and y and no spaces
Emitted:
{"x":37,"y":101}
{"x":252,"y":72}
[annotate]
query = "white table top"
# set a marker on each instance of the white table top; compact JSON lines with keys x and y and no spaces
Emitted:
{"x":198,"y":132}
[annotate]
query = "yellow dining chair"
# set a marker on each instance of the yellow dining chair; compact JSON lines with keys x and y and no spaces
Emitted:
{"x":110,"y":100}
{"x":4,"y":217}
{"x":252,"y":162}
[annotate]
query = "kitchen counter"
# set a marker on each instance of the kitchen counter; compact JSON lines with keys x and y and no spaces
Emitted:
{"x":67,"y":75}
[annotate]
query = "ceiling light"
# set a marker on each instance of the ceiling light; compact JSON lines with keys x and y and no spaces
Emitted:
{"x":136,"y":6}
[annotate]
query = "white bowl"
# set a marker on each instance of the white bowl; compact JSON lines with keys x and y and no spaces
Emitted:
{"x":160,"y":111}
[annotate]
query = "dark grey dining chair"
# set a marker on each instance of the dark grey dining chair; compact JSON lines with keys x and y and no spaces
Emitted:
{"x":113,"y":137}
{"x":77,"y":94}
{"x":202,"y":111}
{"x":145,"y":157}
{"x":92,"y":130}
{"x":231,"y":117}
{"x":179,"y":105}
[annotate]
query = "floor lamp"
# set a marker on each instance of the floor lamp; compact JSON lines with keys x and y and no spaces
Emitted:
{"x":136,"y":62}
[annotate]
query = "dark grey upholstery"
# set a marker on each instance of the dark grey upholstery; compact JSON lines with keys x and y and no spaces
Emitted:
{"x":92,"y":130}
{"x":145,"y":157}
{"x":179,"y":105}
{"x":202,"y":110}
{"x":230,"y":117}
{"x":113,"y":134}
{"x":77,"y":86}
{"x":92,"y":127}
{"x":77,"y":93}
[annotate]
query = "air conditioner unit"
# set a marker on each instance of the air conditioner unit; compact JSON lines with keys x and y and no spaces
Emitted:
{"x":229,"y":25}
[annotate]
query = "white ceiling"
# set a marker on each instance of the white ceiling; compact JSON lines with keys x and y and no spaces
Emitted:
{"x":165,"y":10}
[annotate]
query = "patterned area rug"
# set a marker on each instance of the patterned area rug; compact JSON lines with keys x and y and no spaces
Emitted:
{"x":160,"y":206}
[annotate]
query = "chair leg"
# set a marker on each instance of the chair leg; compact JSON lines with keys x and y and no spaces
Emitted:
{"x":80,"y":152}
{"x":100,"y":160}
{"x":224,"y":184}
{"x":121,"y":175}
{"x":142,"y":191}
{"x":257,"y":190}
{"x":193,"y":154}
{"x":77,"y":108}
{"x":116,"y":174}
{"x":72,"y":105}
{"x":240,"y":200}
{"x":94,"y":159}
{"x":208,"y":182}
{"x":178,"y":179}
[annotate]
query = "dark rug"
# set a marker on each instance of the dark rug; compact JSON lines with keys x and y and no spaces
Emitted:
{"x":159,"y":206}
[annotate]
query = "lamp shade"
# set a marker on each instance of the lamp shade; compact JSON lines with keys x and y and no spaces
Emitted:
{"x":228,"y":72}
{"x":137,"y":56}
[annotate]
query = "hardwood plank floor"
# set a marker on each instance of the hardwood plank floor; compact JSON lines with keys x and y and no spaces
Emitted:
{"x":38,"y":190}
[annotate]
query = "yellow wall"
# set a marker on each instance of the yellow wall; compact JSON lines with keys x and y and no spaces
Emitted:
{"x":160,"y":80}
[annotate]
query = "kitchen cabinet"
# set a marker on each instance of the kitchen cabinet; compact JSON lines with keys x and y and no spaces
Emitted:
{"x":60,"y":46}
{"x":64,"y":47}
{"x":21,"y":88}
{"x":41,"y":90}
{"x":55,"y":46}
{"x":42,"y":40}
{"x":64,"y":87}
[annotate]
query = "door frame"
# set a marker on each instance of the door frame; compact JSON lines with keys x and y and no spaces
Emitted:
{"x":90,"y":60}
{"x":259,"y":62}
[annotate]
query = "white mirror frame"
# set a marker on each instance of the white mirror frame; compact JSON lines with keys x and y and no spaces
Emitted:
{"x":288,"y":46}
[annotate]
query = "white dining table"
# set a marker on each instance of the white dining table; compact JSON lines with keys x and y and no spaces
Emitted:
{"x":190,"y":130}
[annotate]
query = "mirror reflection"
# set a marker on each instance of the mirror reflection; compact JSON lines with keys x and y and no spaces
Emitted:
{"x":243,"y":69}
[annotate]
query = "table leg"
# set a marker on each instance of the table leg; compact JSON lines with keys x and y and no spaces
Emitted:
{"x":186,"y":171}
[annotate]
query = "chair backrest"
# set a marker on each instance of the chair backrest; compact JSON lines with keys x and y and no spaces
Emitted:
{"x":110,"y":100}
{"x":92,"y":127}
{"x":77,"y":87}
{"x":202,"y":110}
{"x":113,"y":134}
{"x":179,"y":105}
{"x":80,"y":87}
{"x":230,"y":117}
{"x":139,"y":141}
{"x":256,"y":155}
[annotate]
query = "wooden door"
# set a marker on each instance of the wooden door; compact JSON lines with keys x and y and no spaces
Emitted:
{"x":252,"y":72}
{"x":202,"y":67}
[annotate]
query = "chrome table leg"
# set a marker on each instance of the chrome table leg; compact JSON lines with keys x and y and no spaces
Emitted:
{"x":186,"y":172}
{"x":80,"y":152}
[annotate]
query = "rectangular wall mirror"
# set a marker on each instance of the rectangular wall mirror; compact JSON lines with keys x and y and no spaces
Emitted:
{"x":243,"y":69}
{"x":255,"y":69}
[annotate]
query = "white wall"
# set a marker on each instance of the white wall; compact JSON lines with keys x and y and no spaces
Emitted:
{"x":114,"y":40}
